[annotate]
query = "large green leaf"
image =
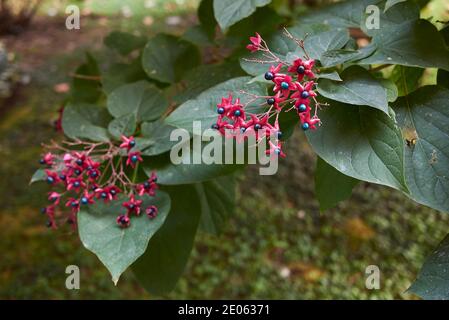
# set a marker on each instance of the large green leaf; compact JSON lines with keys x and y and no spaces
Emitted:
{"x":124,"y":42}
{"x":433,"y":279}
{"x":331,"y":186}
{"x":124,"y":125}
{"x":217,"y":203}
{"x":358,"y":87}
{"x":228,"y":12}
{"x":141,"y":99}
{"x":117,"y":248}
{"x":121,"y":73}
{"x":424,"y":119}
{"x":405,"y":44}
{"x":155,"y":138}
{"x":205,"y":76}
{"x":318,"y":44}
{"x":39,"y":175}
{"x":406,"y":79}
{"x":203,"y":107}
{"x":443,"y":75}
{"x":85,"y":121}
{"x":160,"y":267}
{"x":166,"y":58}
{"x":85,"y":89}
{"x":391,"y":3}
{"x":361,"y":142}
{"x":206,"y":17}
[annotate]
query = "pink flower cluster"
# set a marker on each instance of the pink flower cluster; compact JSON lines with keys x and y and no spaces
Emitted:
{"x":96,"y":173}
{"x":290,"y":92}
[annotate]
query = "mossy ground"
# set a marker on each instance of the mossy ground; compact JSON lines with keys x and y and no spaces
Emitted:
{"x":277,"y":245}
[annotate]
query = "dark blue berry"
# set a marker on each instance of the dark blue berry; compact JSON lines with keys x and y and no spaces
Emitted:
{"x":77,"y":172}
{"x":50,"y":180}
{"x":76,"y":184}
{"x":284,"y":85}
{"x":304,"y":94}
{"x":113,"y":192}
{"x":79,"y":162}
{"x":305,"y":126}
{"x":134,"y":158}
{"x":93,"y":174}
{"x":103,"y":195}
{"x":277,"y":151}
{"x":257,"y":126}
{"x":302,"y":107}
{"x":74,"y":204}
{"x":43,"y":210}
{"x":242,"y":130}
{"x":237,"y":113}
{"x":53,"y":199}
{"x":146,"y":185}
{"x":49,"y":224}
{"x":131,"y":206}
{"x":62,"y":177}
{"x":42,"y":161}
{"x":215,"y":126}
{"x":271,"y":101}
{"x":269,"y":75}
{"x":132,"y":143}
{"x":84,"y":200}
{"x":301,"y":70}
{"x":220,"y":110}
{"x":279,"y":134}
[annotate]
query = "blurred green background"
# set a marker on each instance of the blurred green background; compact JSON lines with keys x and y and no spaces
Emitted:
{"x":277,"y":245}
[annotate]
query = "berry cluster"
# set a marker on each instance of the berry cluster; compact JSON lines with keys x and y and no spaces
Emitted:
{"x":290,"y":92}
{"x":83,"y":172}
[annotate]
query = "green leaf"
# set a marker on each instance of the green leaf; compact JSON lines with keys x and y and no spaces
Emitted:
{"x":406,"y":79}
{"x":433,"y":279}
{"x":228,"y":12}
{"x":203,"y":107}
{"x":391,"y":3}
{"x":322,"y":42}
{"x":120,"y":74}
{"x":85,"y":121}
{"x":166,"y":58}
{"x":160,"y":267}
{"x":217,"y":203}
{"x":339,"y":56}
{"x":390,"y":88}
{"x":403,"y":44}
{"x":205,"y":76}
{"x":187,"y":171}
{"x":363,"y":143}
{"x":423,"y":117}
{"x":443,"y":75}
{"x":141,"y":99}
{"x":155,"y":138}
{"x":333,"y":75}
{"x":358,"y":87}
{"x":198,"y":36}
{"x":124,"y":42}
{"x":331,"y":186}
{"x":117,"y":248}
{"x":124,"y":125}
{"x":86,"y":90}
{"x":39,"y":175}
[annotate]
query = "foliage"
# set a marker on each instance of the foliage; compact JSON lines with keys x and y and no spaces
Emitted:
{"x":379,"y":127}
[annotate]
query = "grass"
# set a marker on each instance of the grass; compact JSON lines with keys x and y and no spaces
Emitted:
{"x":277,"y":245}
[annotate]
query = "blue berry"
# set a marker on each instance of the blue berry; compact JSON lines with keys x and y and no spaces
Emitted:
{"x":79,"y":162}
{"x":93,"y":174}
{"x":42,"y":161}
{"x":284,"y":85}
{"x":50,"y":180}
{"x":134,"y":158}
{"x":49,"y":224}
{"x":279,"y":134}
{"x":215,"y":126}
{"x":131,"y":206}
{"x":242,"y":130}
{"x":146,"y":185}
{"x":220,"y":110}
{"x":76,"y":184}
{"x":277,"y":151}
{"x":113,"y":192}
{"x":257,"y":126}
{"x":77,"y":172}
{"x":304,"y":94}
{"x":84,"y":200}
{"x":62,"y":177}
{"x":103,"y":195}
{"x":74,"y":204}
{"x":302,"y":107}
{"x":237,"y":113}
{"x":44,"y":210}
{"x":269,"y":75}
{"x":301,"y":70}
{"x":305,"y":126}
{"x":132,"y":143}
{"x":271,"y":101}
